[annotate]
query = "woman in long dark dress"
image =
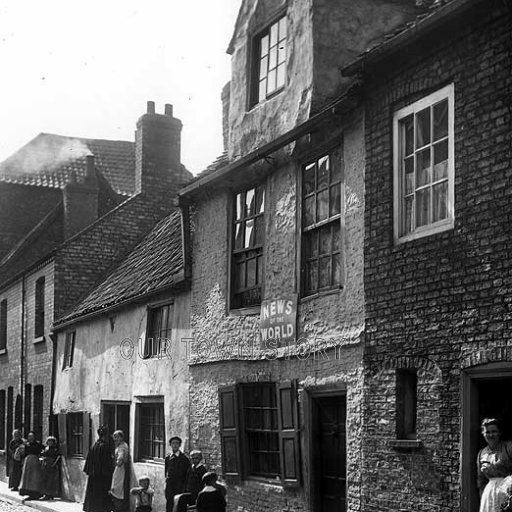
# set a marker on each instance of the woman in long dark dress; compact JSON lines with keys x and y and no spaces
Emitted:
{"x":31,"y":477}
{"x":16,"y":455}
{"x":99,"y":466}
{"x":50,"y":469}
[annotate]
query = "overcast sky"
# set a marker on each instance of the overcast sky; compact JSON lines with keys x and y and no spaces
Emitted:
{"x":87,"y":69}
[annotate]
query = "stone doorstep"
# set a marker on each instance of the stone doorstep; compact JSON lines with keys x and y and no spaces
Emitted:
{"x":57,"y":505}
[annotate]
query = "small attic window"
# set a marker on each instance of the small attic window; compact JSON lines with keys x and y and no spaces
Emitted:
{"x":269,"y":61}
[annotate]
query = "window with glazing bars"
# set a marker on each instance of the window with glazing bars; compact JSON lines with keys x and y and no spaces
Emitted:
{"x":159,"y":330}
{"x":75,"y":434}
{"x":247,"y":248}
{"x":270,"y":61}
{"x":321,"y":223}
{"x":151,"y":431}
{"x":39,"y":308}
{"x":424,"y":165}
{"x":69,"y":349}
{"x":261,"y":429}
{"x":3,"y":324}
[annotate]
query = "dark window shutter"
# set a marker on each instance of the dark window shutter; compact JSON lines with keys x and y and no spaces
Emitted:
{"x":229,"y":432}
{"x":288,"y":432}
{"x":86,"y":438}
{"x":63,"y":442}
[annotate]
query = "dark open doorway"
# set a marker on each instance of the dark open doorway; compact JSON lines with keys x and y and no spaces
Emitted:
{"x":328,"y":453}
{"x":487,"y":392}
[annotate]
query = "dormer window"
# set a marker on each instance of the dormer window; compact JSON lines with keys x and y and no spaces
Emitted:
{"x":269,"y":58}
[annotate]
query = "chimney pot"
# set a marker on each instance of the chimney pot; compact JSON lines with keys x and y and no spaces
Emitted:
{"x":151,"y":107}
{"x":90,"y":166}
{"x":168,"y":109}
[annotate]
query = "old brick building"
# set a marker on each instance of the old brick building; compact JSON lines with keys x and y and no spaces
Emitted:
{"x":98,"y":199}
{"x":275,"y":248}
{"x":438,"y":275}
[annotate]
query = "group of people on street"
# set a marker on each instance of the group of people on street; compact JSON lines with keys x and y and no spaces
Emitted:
{"x":34,"y":467}
{"x":109,"y":469}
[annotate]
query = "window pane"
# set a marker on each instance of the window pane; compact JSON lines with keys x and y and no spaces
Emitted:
{"x":325,"y":239}
{"x":322,"y":206}
{"x":309,"y":179}
{"x":282,"y":28}
{"x":271,"y":81}
{"x":335,"y":203}
{"x":240,"y":275}
{"x":312,"y":275}
{"x":260,"y":200}
{"x":422,"y":207}
{"x":325,"y":272}
{"x":409,"y":175}
{"x":408,"y":135}
{"x":336,"y":259}
{"x":423,"y":128}
{"x":239,"y":206}
{"x":323,"y":172}
{"x":259,"y":230}
{"x":407,"y":220}
{"x":263,"y":67}
{"x":335,"y":164}
{"x":281,"y":52}
{"x":281,"y":74}
{"x":262,"y":92}
{"x":264,"y":46}
{"x":273,"y":34}
{"x":441,"y":120}
{"x":239,"y":235}
{"x":259,"y":262}
{"x":309,"y":208}
{"x":249,"y":233}
{"x":336,"y":236}
{"x":441,"y":160}
{"x":423,"y":167}
{"x":313,"y":243}
{"x":251,"y":272}
{"x":272,"y":61}
{"x":440,"y":198}
{"x":249,"y":202}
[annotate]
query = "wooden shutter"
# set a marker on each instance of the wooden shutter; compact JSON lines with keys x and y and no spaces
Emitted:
{"x":63,"y":441}
{"x":86,"y":437}
{"x":289,"y":451}
{"x":229,"y":432}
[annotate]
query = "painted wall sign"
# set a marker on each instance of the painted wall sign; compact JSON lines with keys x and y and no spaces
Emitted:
{"x":278,"y":319}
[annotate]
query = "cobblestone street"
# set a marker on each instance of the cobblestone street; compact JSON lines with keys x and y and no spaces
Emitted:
{"x":6,"y":506}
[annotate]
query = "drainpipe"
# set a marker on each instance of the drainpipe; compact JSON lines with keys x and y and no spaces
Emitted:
{"x":53,"y":337}
{"x":22,"y":355}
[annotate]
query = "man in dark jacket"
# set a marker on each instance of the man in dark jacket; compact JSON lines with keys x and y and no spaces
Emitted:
{"x":176,"y":469}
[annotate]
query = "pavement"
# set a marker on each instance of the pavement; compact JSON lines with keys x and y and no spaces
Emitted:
{"x":56,"y":505}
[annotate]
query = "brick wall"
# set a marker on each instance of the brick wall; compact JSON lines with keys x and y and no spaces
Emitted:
{"x":443,"y":297}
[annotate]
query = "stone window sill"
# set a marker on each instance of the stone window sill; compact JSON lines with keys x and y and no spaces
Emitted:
{"x":406,"y":444}
{"x":254,"y":310}
{"x":3,"y":351}
{"x":39,"y":339}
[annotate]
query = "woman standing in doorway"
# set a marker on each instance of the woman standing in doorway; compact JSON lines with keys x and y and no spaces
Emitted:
{"x":120,"y":488}
{"x":494,"y":463}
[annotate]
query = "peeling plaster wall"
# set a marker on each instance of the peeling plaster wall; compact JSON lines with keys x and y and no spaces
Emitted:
{"x":226,"y":346}
{"x":104,"y":368}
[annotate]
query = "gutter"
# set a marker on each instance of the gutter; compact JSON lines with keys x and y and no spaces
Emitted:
{"x":419,"y":30}
{"x":341,"y":104}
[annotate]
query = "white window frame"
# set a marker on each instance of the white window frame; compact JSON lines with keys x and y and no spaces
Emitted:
{"x":444,"y":224}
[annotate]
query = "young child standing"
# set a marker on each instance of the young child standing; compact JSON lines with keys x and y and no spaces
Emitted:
{"x":143,"y":495}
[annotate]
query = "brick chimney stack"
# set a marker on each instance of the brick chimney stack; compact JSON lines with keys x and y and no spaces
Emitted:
{"x":158,"y":152}
{"x":81,"y":200}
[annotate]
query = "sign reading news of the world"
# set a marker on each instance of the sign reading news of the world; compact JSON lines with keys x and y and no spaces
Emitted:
{"x":278,"y":319}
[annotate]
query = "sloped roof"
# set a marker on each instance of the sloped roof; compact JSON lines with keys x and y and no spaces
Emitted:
{"x":154,"y":264}
{"x":49,"y":160}
{"x":433,"y":10}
